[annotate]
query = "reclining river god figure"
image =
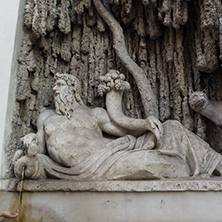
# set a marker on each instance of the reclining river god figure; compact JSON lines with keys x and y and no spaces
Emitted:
{"x":76,"y":142}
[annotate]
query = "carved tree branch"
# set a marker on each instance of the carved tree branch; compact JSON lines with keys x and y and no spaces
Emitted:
{"x":143,"y":84}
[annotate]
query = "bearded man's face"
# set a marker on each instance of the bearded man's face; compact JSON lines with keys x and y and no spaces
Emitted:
{"x":63,"y":98}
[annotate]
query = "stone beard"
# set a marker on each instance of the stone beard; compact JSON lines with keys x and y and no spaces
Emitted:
{"x":64,"y":103}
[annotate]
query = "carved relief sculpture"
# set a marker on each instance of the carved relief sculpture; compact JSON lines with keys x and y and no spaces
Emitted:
{"x":163,"y":45}
{"x":76,"y":142}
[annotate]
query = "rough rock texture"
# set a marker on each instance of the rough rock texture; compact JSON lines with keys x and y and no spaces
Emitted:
{"x":177,"y":43}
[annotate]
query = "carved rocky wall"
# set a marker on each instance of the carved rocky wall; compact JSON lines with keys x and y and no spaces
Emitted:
{"x":178,"y":43}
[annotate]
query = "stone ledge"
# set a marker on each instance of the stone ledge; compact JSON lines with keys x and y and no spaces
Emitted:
{"x":179,"y":185}
{"x":8,"y":184}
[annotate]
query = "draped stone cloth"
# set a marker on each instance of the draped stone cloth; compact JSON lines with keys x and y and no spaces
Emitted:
{"x":180,"y":154}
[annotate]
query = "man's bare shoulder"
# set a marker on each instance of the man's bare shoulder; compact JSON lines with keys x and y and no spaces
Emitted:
{"x":100,"y":115}
{"x":99,"y":111}
{"x":45,"y":114}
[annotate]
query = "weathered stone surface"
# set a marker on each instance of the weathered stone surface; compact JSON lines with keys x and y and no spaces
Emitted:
{"x":209,"y":108}
{"x":126,"y":186}
{"x":175,"y":48}
{"x":171,"y":185}
{"x":115,"y":206}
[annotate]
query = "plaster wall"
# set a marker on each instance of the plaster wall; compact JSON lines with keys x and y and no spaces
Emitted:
{"x":116,"y":206}
{"x":11,"y":14}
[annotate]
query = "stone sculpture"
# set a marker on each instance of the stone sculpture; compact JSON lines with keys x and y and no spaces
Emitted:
{"x":206,"y":107}
{"x":76,"y":142}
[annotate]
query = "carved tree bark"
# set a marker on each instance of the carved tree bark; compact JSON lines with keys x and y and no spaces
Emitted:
{"x":143,"y":84}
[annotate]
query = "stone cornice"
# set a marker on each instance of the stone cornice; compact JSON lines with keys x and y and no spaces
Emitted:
{"x":172,"y":185}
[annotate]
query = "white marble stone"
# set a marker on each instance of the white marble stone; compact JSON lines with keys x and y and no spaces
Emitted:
{"x":11,"y":13}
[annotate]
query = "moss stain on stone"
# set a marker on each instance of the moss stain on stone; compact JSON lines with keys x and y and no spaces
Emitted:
{"x":23,"y":207}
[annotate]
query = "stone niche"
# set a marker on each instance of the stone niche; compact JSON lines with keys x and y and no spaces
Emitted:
{"x":167,"y":50}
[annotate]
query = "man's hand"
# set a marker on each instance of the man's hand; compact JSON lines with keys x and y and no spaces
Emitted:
{"x":30,"y":143}
{"x":28,"y":139}
{"x":156,"y":127}
{"x":8,"y":214}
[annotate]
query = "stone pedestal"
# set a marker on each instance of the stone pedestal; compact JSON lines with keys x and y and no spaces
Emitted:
{"x":119,"y":201}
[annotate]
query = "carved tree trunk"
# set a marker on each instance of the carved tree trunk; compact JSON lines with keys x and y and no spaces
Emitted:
{"x":175,"y":44}
{"x":143,"y":85}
